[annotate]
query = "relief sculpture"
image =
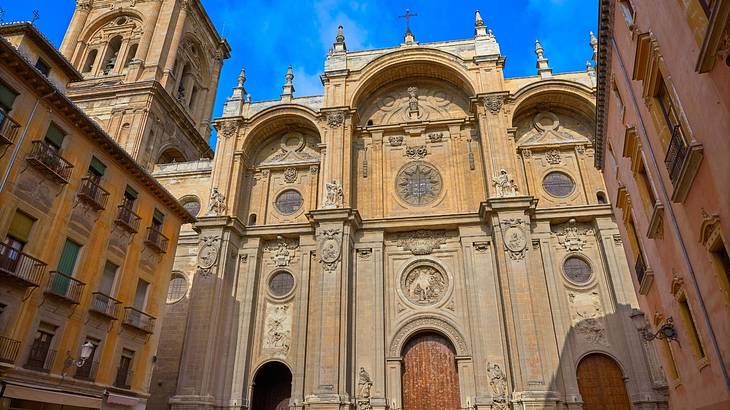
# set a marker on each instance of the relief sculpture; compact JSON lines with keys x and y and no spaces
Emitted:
{"x":424,"y":285}
{"x":277,"y":335}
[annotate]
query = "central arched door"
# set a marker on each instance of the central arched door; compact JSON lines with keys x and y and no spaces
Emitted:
{"x":601,"y":384}
{"x":430,"y":380}
{"x":272,"y":387}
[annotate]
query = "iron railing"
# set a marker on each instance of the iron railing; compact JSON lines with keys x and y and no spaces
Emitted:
{"x":47,"y":159}
{"x":156,"y":240}
{"x":40,"y":358}
{"x":138,"y":320}
{"x":8,"y":128}
{"x":65,"y":287}
{"x":676,"y":154}
{"x":127,"y":219}
{"x":123,"y":378}
{"x":87,"y":371}
{"x":105,"y":305}
{"x":640,"y":268}
{"x":93,"y":194}
{"x":9,"y":349}
{"x":20,"y":267}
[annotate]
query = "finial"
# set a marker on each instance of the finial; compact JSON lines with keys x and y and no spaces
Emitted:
{"x":340,"y":45}
{"x":288,"y":87}
{"x":594,"y":46}
{"x":539,"y":50}
{"x":241,"y":77}
{"x":589,"y":66}
{"x":238,"y":91}
{"x":480,"y":29}
{"x":543,"y":68}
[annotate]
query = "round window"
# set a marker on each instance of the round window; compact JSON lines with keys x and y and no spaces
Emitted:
{"x":558,"y":184}
{"x":177,"y":289}
{"x":577,"y":269}
{"x":281,"y":284}
{"x":418,"y":183}
{"x":192,"y":205}
{"x":289,"y":202}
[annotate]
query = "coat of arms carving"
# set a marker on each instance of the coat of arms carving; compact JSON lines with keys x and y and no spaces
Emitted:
{"x":515,"y":241}
{"x":208,"y":254}
{"x":330,"y":245}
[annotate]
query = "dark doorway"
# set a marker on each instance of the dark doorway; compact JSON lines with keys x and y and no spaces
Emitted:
{"x":272,"y":387}
{"x":430,"y":378}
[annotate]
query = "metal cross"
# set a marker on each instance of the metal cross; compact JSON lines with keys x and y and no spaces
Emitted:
{"x":36,"y":16}
{"x":408,"y":16}
{"x":2,"y":15}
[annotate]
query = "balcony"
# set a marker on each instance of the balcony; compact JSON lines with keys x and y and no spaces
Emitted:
{"x":92,"y":194}
{"x":20,"y":268}
{"x":123,"y":379}
{"x":156,"y":240}
{"x":105,"y":305}
{"x":87,"y":371}
{"x":683,"y":163}
{"x":46,"y":159}
{"x":138,"y":320}
{"x":127,"y":219}
{"x":676,"y":154}
{"x":65,"y":287}
{"x":8,"y":129}
{"x":9,"y":349}
{"x":40,"y":358}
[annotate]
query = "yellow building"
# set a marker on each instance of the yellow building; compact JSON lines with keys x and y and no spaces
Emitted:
{"x":87,"y":244}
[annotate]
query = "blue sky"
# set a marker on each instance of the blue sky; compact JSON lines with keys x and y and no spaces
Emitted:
{"x":268,"y":35}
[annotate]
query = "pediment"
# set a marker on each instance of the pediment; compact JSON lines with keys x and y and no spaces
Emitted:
{"x":550,"y":129}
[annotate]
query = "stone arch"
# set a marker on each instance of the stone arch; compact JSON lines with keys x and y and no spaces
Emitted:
{"x":271,"y":385}
{"x":170,"y":154}
{"x":93,"y":38}
{"x":271,"y":121}
{"x":401,"y":64}
{"x":427,"y":323}
{"x":561,"y":93}
{"x":603,"y":352}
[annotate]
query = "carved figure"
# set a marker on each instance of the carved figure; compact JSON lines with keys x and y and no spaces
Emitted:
{"x":277,"y":328}
{"x":424,"y":285}
{"x":504,"y":184}
{"x":364,"y":384}
{"x":217,"y":204}
{"x":333,"y":196}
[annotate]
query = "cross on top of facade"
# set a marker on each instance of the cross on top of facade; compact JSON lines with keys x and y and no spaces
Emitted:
{"x":408,"y":16}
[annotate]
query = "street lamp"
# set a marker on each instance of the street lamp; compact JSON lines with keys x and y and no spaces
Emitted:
{"x":86,"y":350}
{"x":665,"y":331}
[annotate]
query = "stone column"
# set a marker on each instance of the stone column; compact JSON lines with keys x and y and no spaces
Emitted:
{"x":175,"y":44}
{"x":150,"y":24}
{"x":69,"y":46}
{"x":329,"y":370}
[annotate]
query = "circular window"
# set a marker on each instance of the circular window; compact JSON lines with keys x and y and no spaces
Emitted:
{"x":558,"y":184}
{"x":192,"y":205}
{"x":177,"y":289}
{"x":577,"y":269}
{"x":418,"y":183}
{"x":289,"y":201}
{"x":281,"y":283}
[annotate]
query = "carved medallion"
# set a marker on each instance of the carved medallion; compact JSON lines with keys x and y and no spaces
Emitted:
{"x":395,"y":140}
{"x":553,"y":157}
{"x":424,"y":285}
{"x":515,"y":241}
{"x":330,"y":244}
{"x":493,"y":103}
{"x":208,"y":254}
{"x":418,"y":183}
{"x":335,"y":119}
{"x":290,"y":175}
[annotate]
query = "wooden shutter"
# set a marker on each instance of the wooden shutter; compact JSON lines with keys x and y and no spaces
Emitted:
{"x":97,"y":166}
{"x":67,"y":263}
{"x":7,"y":97}
{"x":55,"y":136}
{"x":20,"y":227}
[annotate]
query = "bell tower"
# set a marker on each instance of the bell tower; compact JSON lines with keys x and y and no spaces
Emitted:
{"x":151,"y":71}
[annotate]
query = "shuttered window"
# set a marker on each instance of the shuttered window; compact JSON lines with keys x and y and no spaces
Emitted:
{"x":97,"y":166}
{"x":20,"y":226}
{"x":67,"y":263}
{"x":7,"y":97}
{"x":55,"y":135}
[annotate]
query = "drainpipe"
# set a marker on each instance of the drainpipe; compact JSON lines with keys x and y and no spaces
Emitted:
{"x":21,"y":139}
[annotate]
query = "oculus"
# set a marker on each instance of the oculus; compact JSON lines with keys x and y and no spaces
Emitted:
{"x":418,"y":183}
{"x":281,"y":284}
{"x":191,"y":204}
{"x":558,"y":184}
{"x":177,"y":289}
{"x":289,"y":202}
{"x":577,"y":270}
{"x":424,"y":285}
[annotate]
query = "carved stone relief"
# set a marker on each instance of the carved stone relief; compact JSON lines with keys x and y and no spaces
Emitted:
{"x":208,"y":254}
{"x":217,"y":203}
{"x":421,"y":242}
{"x":515,"y":241}
{"x":493,"y":103}
{"x":587,"y":316}
{"x":424,"y":285}
{"x":229,"y":129}
{"x":281,"y":251}
{"x":364,"y":385}
{"x":504,"y":184}
{"x":333,"y":195}
{"x":416,"y":152}
{"x":418,"y":102}
{"x":431,"y":323}
{"x":553,"y":157}
{"x":277,"y":332}
{"x":335,"y":119}
{"x":292,"y":147}
{"x":290,"y":175}
{"x":572,"y":235}
{"x":435,"y":137}
{"x":330,"y":245}
{"x":498,"y":384}
{"x":395,"y":140}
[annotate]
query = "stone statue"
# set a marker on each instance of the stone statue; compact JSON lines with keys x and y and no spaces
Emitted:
{"x":217,"y":205}
{"x":505,"y":185}
{"x":497,"y":380}
{"x":412,"y":102}
{"x":333,"y":196}
{"x":364,"y":384}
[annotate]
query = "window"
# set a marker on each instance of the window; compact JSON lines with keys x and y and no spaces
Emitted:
{"x":7,"y":99}
{"x":281,"y":284}
{"x":668,"y":110}
{"x":601,"y":198}
{"x":289,"y":201}
{"x":54,"y":136}
{"x":191,"y":204}
{"x":140,"y":295}
{"x":43,"y":67}
{"x":177,"y":289}
{"x":69,"y":255}
{"x":691,"y":329}
{"x":158,"y":218}
{"x":15,"y":241}
{"x":96,"y":169}
{"x":558,"y":184}
{"x":721,"y":261}
{"x":112,"y":54}
{"x":131,"y":54}
{"x":108,"y":279}
{"x":628,"y":12}
{"x":645,"y":188}
{"x":124,"y":370}
{"x":41,"y":357}
{"x":577,"y":270}
{"x":130,"y":197}
{"x":90,"y":60}
{"x":252,"y":220}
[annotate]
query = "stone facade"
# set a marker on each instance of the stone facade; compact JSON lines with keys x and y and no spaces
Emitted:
{"x":663,"y":116}
{"x":423,"y":192}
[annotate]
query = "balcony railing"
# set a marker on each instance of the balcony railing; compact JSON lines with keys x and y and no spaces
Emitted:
{"x":19,"y":267}
{"x":105,"y":305}
{"x":46,"y":159}
{"x":676,"y":154}
{"x":93,"y":194}
{"x":9,"y":349}
{"x":40,"y":358}
{"x":87,"y":371}
{"x":138,"y":320}
{"x":156,"y":240}
{"x":123,"y":378}
{"x":8,"y":129}
{"x":127,"y":219}
{"x":65,"y":287}
{"x":640,"y":268}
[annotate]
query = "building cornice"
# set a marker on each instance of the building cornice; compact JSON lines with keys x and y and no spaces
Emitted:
{"x":603,"y":66}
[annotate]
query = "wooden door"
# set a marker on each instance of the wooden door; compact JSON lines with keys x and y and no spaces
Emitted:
{"x":430,"y":379}
{"x":601,"y":384}
{"x":272,"y":388}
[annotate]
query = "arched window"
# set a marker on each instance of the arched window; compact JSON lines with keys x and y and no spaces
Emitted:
{"x":601,"y":197}
{"x":252,"y":220}
{"x":131,"y":54}
{"x":186,"y":71}
{"x":193,"y":95}
{"x":112,"y":54}
{"x":171,"y":155}
{"x":90,"y":60}
{"x":177,"y":289}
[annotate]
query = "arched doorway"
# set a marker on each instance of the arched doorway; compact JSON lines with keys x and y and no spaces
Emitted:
{"x":430,"y":378}
{"x":601,"y":384}
{"x":271,"y":387}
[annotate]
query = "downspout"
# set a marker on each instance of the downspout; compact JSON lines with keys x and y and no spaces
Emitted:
{"x":675,"y":226}
{"x":21,"y":139}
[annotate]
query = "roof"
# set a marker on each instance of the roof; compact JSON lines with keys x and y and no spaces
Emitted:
{"x":45,"y":44}
{"x":10,"y":56}
{"x":603,"y":65}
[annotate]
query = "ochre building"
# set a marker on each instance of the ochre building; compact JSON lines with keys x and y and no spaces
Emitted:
{"x":662,"y":143}
{"x":87,"y":241}
{"x":427,"y":234}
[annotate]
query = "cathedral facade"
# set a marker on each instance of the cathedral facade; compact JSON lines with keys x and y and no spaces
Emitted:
{"x":427,"y":234}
